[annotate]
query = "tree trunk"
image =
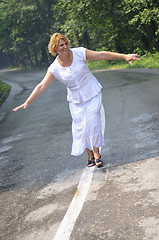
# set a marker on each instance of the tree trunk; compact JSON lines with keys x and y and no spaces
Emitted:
{"x":44,"y":58}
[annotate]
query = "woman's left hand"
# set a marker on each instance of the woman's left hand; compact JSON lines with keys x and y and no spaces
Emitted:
{"x":131,"y":57}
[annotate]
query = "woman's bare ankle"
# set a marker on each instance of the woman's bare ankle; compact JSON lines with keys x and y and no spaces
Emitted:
{"x":90,"y":154}
{"x":96,"y":153}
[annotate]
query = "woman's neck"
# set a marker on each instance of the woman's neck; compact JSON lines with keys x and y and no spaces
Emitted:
{"x":65,"y":60}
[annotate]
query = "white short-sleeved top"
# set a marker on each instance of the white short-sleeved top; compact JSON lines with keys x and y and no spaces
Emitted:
{"x":81,"y":83}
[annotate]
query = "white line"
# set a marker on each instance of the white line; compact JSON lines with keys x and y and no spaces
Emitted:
{"x":65,"y":229}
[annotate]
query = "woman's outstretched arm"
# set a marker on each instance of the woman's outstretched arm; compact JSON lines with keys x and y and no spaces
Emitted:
{"x":104,"y":55}
{"x":38,"y":90}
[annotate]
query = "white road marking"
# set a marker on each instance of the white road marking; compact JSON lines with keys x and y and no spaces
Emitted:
{"x":68,"y":222}
{"x":65,"y":229}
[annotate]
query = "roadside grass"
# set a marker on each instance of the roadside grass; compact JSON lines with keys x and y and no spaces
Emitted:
{"x":4,"y":91}
{"x":148,"y":60}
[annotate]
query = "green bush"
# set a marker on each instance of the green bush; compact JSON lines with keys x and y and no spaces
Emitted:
{"x":4,"y":91}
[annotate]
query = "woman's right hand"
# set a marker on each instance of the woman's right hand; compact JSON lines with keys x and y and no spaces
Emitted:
{"x":22,"y":106}
{"x":40,"y":88}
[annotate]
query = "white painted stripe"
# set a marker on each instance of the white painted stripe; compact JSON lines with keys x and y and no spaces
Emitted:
{"x":65,"y":229}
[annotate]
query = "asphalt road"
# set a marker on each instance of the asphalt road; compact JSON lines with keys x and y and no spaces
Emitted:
{"x":35,"y":162}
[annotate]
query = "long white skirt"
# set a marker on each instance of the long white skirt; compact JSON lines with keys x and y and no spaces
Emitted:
{"x":86,"y":125}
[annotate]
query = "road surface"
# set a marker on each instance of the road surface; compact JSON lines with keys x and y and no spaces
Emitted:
{"x":36,"y":168}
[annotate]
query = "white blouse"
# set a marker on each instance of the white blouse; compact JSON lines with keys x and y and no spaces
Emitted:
{"x":81,"y":83}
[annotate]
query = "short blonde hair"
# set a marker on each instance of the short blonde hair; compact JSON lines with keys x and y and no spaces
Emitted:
{"x":54,"y":41}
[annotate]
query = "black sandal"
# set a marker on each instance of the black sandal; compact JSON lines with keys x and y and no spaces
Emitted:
{"x":92,"y":161}
{"x":99,"y":162}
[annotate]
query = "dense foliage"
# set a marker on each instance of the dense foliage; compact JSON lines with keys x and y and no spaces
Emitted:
{"x":115,"y":25}
{"x":4,"y":91}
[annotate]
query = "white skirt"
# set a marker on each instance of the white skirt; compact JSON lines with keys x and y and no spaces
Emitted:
{"x":86,"y":125}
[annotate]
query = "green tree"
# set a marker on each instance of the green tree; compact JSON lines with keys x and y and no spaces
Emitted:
{"x":25,"y":31}
{"x":144,"y":19}
{"x":115,"y":25}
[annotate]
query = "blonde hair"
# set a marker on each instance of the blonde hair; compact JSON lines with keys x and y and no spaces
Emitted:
{"x":54,"y":41}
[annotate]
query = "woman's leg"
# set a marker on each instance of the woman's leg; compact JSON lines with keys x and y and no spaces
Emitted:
{"x":90,"y":154}
{"x":91,"y":162}
{"x":97,"y":156}
{"x":96,"y":152}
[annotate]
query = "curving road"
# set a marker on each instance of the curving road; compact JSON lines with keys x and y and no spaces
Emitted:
{"x":35,"y":143}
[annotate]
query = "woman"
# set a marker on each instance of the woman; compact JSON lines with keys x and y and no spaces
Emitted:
{"x":83,"y":93}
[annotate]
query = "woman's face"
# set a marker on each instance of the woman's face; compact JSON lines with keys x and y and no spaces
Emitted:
{"x":63,"y":47}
